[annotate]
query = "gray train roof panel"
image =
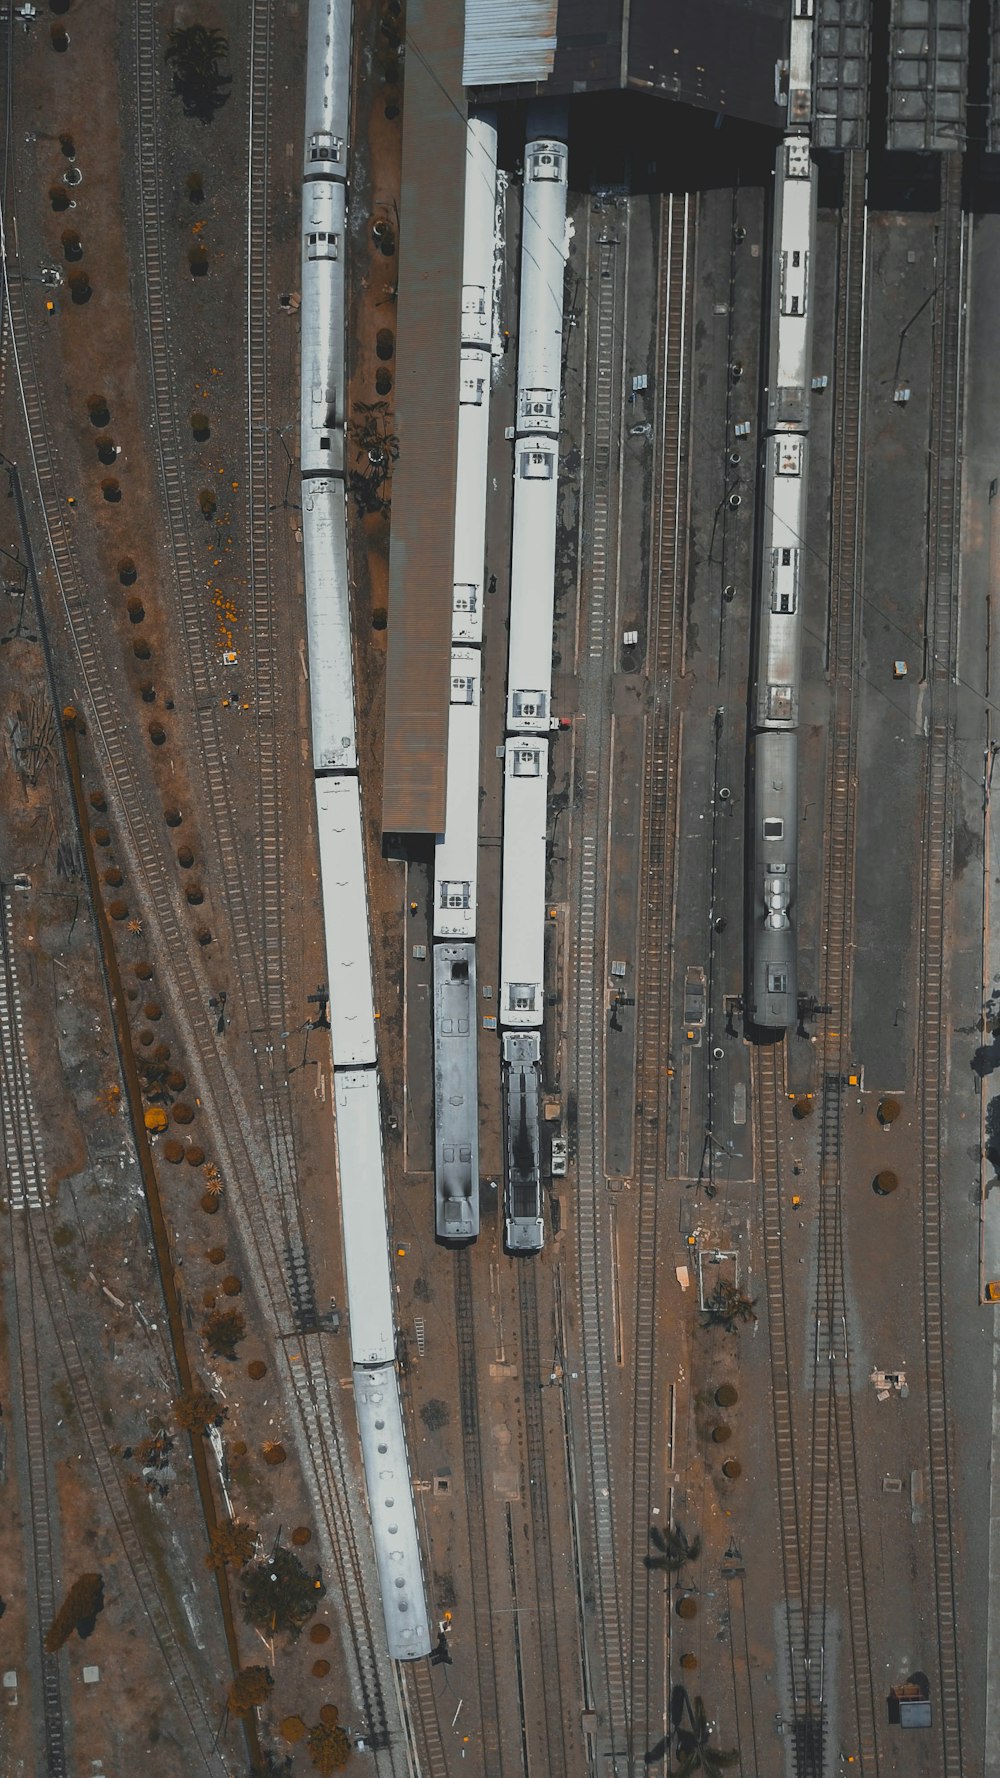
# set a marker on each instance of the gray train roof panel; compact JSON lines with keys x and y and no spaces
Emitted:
{"x":928,"y":67}
{"x":390,"y":1504}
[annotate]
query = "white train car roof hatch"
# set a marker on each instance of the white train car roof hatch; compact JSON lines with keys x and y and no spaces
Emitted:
{"x":371,"y":1298}
{"x":522,"y":917}
{"x":456,"y":853}
{"x":345,"y":917}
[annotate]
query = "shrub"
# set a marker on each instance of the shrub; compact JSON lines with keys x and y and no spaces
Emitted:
{"x":249,"y":1688}
{"x":278,"y":1593}
{"x":223,"y":1331}
{"x":230,"y":1542}
{"x":196,"y":1411}
{"x":329,"y":1748}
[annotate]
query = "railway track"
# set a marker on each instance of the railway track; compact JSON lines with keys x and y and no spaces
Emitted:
{"x":249,"y":1170}
{"x":482,"y":1607}
{"x":261,"y":591}
{"x":833,"y":1494}
{"x":587,"y":971}
{"x":647,"y":1702}
{"x":420,"y":1710}
{"x":557,"y":1764}
{"x":25,"y":1184}
{"x":932,"y":1061}
{"x":39,"y":1291}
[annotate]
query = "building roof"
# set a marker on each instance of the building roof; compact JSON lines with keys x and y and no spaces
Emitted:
{"x":428,"y":335}
{"x":720,"y":54}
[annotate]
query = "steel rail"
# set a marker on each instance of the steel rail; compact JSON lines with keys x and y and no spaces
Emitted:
{"x":422,"y":1721}
{"x":833,"y":1460}
{"x":482,"y":1606}
{"x":25,"y":1184}
{"x":557,"y":1763}
{"x":594,"y":1255}
{"x":38,"y":1280}
{"x":675,"y":304}
{"x":245,"y":1164}
{"x":941,"y":648}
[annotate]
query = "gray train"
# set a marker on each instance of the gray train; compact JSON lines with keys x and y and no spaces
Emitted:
{"x":524,"y":1230}
{"x":772,"y":839}
{"x":456,"y":1095}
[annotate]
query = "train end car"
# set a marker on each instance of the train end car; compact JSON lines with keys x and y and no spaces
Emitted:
{"x":543,"y":258}
{"x":456,"y":1094}
{"x":524,"y":1226}
{"x":522,"y":907}
{"x":328,"y":89}
{"x":393,"y":1518}
{"x":479,"y":236}
{"x":772,"y":1002}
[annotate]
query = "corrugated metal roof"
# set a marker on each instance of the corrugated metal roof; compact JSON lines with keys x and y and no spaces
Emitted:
{"x":508,"y":41}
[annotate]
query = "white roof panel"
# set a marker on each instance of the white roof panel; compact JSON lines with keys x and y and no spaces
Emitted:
{"x":331,"y":673}
{"x":522,"y":918}
{"x":470,"y":518}
{"x":540,"y":319}
{"x":479,"y":244}
{"x":345,"y":917}
{"x":371,"y":1298}
{"x":456,"y":855}
{"x":532,"y":585}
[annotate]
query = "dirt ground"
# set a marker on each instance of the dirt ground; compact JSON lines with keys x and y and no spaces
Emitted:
{"x":89,"y":350}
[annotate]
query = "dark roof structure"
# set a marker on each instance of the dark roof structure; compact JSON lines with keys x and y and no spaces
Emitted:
{"x":721,"y":55}
{"x":428,"y":320}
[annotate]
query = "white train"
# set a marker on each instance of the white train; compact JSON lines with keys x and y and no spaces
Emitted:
{"x":522,"y":927}
{"x":360,"y":1160}
{"x":456,"y":853}
{"x":772,"y":839}
{"x":536,"y":452}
